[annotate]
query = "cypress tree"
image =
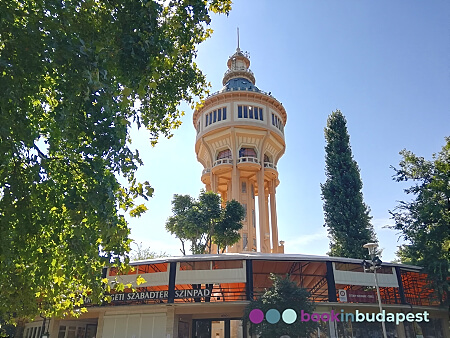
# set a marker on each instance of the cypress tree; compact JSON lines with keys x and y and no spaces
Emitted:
{"x":346,"y":215}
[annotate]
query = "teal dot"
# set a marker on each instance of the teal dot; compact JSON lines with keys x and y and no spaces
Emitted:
{"x":289,"y":316}
{"x":273,"y":316}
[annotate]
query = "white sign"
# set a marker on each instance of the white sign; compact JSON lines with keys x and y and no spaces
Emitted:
{"x":342,"y":295}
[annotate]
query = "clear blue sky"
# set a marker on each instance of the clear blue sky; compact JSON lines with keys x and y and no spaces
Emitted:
{"x":384,"y":64}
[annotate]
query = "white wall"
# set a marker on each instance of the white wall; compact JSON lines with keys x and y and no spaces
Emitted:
{"x":135,"y":326}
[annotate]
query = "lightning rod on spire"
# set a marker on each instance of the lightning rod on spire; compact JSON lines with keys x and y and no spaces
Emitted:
{"x":238,"y":38}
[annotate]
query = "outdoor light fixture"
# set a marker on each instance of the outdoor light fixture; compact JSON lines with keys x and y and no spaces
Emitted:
{"x":373,"y":266}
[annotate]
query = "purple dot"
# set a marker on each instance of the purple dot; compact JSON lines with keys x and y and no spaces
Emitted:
{"x":256,"y":316}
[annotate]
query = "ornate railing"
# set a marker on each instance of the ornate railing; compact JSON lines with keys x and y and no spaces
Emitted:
{"x":223,"y":161}
{"x":206,"y":171}
{"x":270,"y":165}
{"x":250,"y":159}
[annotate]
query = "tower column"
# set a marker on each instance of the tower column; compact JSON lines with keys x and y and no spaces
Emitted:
{"x":273,"y":216}
{"x":267,"y":225}
{"x":235,"y":171}
{"x":262,"y":210}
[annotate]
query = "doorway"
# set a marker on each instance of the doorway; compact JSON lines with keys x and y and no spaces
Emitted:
{"x":220,"y":328}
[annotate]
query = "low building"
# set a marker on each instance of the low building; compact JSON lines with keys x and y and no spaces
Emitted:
{"x":205,"y":296}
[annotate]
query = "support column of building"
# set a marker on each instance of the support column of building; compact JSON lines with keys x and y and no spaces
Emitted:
{"x":235,"y":172}
{"x":229,"y":193}
{"x":100,"y":324}
{"x":215,"y":183}
{"x":273,"y":216}
{"x":267,"y":223}
{"x":170,"y":321}
{"x":262,"y":210}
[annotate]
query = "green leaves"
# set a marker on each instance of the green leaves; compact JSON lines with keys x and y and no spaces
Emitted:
{"x":283,"y":294}
{"x":71,"y":75}
{"x":346,"y":215}
{"x":205,"y":222}
{"x":424,"y":222}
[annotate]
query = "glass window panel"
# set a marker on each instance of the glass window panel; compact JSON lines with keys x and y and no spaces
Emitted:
{"x":260,"y":114}
{"x":91,"y":331}
{"x":80,"y":332}
{"x":215,"y":116}
{"x":245,"y":112}
{"x":224,"y":154}
{"x":273,"y":119}
{"x":224,"y":111}
{"x":210,"y":118}
{"x":195,"y":265}
{"x":71,"y":332}
{"x":244,"y":241}
{"x":62,"y":331}
{"x":219,"y":114}
{"x":244,"y":187}
{"x":250,"y":112}
{"x":240,"y":112}
{"x":229,"y":264}
{"x":206,"y":120}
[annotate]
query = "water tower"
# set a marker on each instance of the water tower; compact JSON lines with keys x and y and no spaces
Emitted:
{"x":240,"y":139}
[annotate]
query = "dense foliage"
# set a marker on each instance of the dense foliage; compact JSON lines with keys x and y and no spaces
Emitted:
{"x":283,"y":294}
{"x":74,"y":75}
{"x":424,"y":222}
{"x":205,"y":222}
{"x":346,"y":215}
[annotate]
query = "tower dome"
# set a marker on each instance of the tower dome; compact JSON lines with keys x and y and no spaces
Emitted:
{"x":240,"y":139}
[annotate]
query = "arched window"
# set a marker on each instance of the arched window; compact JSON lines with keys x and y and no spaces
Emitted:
{"x":247,"y":152}
{"x":224,"y":154}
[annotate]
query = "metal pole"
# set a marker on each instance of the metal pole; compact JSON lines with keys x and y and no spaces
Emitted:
{"x":383,"y":324}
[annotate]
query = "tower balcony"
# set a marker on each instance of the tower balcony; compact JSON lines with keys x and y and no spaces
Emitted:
{"x":249,"y":163}
{"x":222,"y":165}
{"x":206,"y":177}
{"x":270,"y":170}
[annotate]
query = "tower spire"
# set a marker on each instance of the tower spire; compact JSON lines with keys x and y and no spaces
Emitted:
{"x":238,"y":49}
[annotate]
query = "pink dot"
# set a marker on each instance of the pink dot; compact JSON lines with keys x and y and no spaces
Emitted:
{"x":256,"y":316}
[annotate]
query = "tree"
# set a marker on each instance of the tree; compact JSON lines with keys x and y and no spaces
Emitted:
{"x":282,"y":295}
{"x":205,"y":221}
{"x":424,"y":222}
{"x":74,"y":76}
{"x":141,"y":253}
{"x":346,"y":215}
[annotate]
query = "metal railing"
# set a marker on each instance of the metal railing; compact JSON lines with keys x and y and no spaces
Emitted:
{"x":206,"y":171}
{"x":239,"y":69}
{"x":254,"y":89}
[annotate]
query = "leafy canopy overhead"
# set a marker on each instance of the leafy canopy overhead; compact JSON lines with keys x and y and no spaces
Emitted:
{"x":346,"y":215}
{"x":74,"y":75}
{"x":205,"y":222}
{"x":424,"y":222}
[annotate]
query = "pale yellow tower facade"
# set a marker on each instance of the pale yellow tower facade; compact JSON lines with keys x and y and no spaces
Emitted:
{"x":240,"y":139}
